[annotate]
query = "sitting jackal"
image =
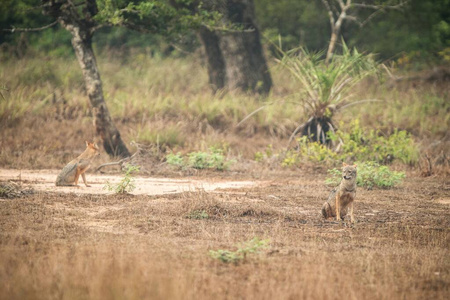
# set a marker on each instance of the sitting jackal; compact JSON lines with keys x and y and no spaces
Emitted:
{"x":342,"y":196}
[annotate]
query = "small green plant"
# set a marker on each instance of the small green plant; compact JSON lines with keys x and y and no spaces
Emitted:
{"x":198,"y":215}
{"x":370,"y":175}
{"x":254,"y":245}
{"x":126,"y":185}
{"x":267,"y":154}
{"x":199,"y":160}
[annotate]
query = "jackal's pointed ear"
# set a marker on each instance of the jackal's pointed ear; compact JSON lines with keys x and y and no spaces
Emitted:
{"x":355,"y":165}
{"x":87,"y":143}
{"x":344,"y":164}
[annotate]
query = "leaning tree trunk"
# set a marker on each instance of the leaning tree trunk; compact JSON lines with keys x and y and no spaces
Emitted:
{"x":104,"y":126}
{"x":332,"y":45}
{"x":236,"y":55}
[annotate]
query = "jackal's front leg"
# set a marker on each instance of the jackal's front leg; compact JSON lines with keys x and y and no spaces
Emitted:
{"x":351,"y":213}
{"x":338,"y":212}
{"x":84,"y":179}
{"x":77,"y":176}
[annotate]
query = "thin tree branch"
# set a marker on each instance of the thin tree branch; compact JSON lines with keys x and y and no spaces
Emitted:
{"x":14,"y":29}
{"x":99,"y":26}
{"x":341,"y":4}
{"x":354,"y":19}
{"x":330,"y":13}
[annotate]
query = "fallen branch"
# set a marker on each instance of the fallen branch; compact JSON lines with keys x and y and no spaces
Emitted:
{"x":117,"y":163}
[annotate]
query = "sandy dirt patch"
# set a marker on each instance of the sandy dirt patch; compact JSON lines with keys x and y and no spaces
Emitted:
{"x":44,"y":180}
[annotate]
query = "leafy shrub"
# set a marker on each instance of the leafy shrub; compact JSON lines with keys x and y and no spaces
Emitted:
{"x":311,"y":151}
{"x":126,"y":185}
{"x":213,"y":159}
{"x":175,"y":159}
{"x":372,"y":145}
{"x":255,"y":245}
{"x":370,"y":174}
{"x":356,"y":144}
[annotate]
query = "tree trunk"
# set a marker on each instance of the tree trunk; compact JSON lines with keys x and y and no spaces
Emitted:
{"x":237,"y":55}
{"x":104,"y":126}
{"x":215,"y":61}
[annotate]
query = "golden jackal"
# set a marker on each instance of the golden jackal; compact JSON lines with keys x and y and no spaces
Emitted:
{"x":342,"y":196}
{"x":72,"y":171}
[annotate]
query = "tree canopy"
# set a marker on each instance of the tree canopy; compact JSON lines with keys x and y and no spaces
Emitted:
{"x":420,"y":32}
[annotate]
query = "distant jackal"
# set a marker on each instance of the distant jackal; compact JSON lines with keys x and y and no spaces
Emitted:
{"x":72,"y":171}
{"x":342,"y":196}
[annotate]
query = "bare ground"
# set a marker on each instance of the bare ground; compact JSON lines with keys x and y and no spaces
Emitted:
{"x":56,"y":245}
{"x":44,"y":181}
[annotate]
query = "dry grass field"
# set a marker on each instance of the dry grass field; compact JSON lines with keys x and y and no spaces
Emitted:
{"x":57,"y":245}
{"x":69,"y":246}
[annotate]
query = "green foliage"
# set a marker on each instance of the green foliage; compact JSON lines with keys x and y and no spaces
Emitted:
{"x":310,"y":151}
{"x":370,"y":175}
{"x":420,"y":32}
{"x":267,"y":154}
{"x":167,"y":18}
{"x":254,"y":245}
{"x":324,"y":87}
{"x":356,"y":144}
{"x":327,"y":87}
{"x":213,"y":159}
{"x":421,"y":27}
{"x":198,"y":215}
{"x":126,"y":184}
{"x":372,"y":145}
{"x":175,"y":159}
{"x":296,"y":23}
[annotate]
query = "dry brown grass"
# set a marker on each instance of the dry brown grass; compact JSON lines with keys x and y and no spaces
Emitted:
{"x":55,"y":246}
{"x":45,"y":116}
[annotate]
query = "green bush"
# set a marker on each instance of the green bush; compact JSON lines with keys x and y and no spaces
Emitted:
{"x":356,"y":144}
{"x":255,"y":245}
{"x":372,"y":145}
{"x":310,"y":151}
{"x":213,"y":159}
{"x":370,"y":175}
{"x":175,"y":159}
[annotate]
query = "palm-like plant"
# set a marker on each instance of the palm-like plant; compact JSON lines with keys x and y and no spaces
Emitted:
{"x":325,"y":88}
